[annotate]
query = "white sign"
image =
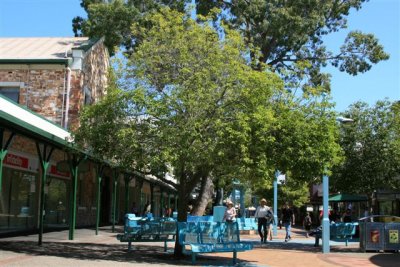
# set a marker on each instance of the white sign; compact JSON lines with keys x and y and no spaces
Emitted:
{"x":281,"y":179}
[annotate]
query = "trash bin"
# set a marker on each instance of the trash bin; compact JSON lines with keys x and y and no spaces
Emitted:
{"x":379,"y":232}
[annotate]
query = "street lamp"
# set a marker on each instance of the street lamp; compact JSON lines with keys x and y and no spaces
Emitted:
{"x":275,"y":229}
{"x":344,"y":120}
{"x":325,"y":200}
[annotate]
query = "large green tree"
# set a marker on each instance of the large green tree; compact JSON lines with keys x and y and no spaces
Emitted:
{"x":113,"y":20}
{"x":285,"y":36}
{"x":371,"y":149}
{"x":188,"y":107}
{"x":190,"y":104}
{"x":278,"y":33}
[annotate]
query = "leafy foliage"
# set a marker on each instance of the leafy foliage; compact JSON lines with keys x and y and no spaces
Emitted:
{"x":195,"y":108}
{"x":286,"y":35}
{"x":371,"y":149}
{"x":113,"y":20}
{"x":287,"y":32}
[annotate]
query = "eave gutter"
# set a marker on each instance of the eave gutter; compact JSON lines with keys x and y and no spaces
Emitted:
{"x":58,"y":61}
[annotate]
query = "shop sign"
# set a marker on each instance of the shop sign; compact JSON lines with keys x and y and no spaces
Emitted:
{"x":393,"y":236}
{"x":16,"y":161}
{"x":374,"y":236}
{"x":55,"y":171}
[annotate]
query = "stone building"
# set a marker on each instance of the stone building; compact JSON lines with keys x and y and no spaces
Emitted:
{"x":46,"y":83}
{"x":54,"y":77}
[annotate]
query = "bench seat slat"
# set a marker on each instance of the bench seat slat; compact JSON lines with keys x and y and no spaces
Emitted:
{"x":211,"y":237}
{"x":340,"y":232}
{"x":139,"y":229}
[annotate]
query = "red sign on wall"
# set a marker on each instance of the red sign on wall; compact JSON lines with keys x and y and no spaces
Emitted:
{"x":17,"y":161}
{"x":53,"y":170}
{"x":374,"y":236}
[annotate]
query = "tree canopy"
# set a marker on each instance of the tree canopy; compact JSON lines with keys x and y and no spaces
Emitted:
{"x":288,"y":36}
{"x":371,"y":149}
{"x":190,"y":104}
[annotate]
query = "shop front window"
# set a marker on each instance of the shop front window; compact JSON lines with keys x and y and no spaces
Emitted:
{"x":56,"y":214}
{"x":18,"y":201}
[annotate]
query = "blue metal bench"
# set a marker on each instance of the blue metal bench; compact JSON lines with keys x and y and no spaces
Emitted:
{"x":338,"y":232}
{"x":211,"y":237}
{"x":191,"y":218}
{"x":144,"y":229}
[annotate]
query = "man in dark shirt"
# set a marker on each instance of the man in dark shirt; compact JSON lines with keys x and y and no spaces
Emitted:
{"x":347,"y":216}
{"x":287,"y":220}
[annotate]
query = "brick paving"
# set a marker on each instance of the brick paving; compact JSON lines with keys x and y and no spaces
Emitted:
{"x":104,"y":250}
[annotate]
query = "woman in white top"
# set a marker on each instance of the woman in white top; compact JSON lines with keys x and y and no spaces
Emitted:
{"x":261,"y":214}
{"x":230,"y":212}
{"x":230,"y":217}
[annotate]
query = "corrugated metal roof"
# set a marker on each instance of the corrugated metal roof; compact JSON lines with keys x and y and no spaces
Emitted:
{"x":40,"y":47}
{"x":18,"y":116}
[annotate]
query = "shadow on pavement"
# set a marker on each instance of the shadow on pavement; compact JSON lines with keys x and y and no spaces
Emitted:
{"x":113,"y":252}
{"x":386,"y":259}
{"x":301,"y":245}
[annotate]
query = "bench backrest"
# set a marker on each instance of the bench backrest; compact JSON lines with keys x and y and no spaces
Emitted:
{"x":250,"y":223}
{"x":145,"y":225}
{"x":131,"y":222}
{"x":168,"y":227}
{"x":343,"y":229}
{"x":208,"y":232}
{"x":191,"y":218}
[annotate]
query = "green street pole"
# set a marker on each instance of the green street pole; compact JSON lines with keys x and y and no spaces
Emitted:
{"x":44,"y":166}
{"x":141,"y":196}
{"x":162,"y":203}
{"x":152,"y":199}
{"x":74,"y":171}
{"x":99,"y":175}
{"x":74,"y":166}
{"x":3,"y":153}
{"x":114,"y":199}
{"x":44,"y":158}
{"x":127,"y":180}
{"x":176,"y":202}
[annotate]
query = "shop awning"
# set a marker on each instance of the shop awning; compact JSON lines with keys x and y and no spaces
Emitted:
{"x":347,"y":198}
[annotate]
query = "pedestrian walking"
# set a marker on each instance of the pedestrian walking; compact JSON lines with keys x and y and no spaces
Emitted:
{"x":261,"y":217}
{"x":307,"y":222}
{"x":287,"y":220}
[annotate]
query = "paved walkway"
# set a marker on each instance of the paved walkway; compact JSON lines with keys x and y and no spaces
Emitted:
{"x":104,"y":250}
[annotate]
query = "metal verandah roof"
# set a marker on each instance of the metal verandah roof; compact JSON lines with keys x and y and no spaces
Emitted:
{"x":347,"y":198}
{"x":21,"y":120}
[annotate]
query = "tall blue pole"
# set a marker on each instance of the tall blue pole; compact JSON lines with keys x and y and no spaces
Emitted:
{"x":275,"y":229}
{"x":325,"y":220}
{"x":242,"y":207}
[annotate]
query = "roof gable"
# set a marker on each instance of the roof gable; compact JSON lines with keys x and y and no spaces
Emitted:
{"x":42,"y":48}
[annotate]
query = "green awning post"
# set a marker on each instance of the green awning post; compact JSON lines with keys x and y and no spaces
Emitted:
{"x":176,"y":202}
{"x":162,"y":202}
{"x":73,"y":165}
{"x":99,"y":173}
{"x":44,"y":158}
{"x":140,"y":186}
{"x":127,"y":180}
{"x":3,"y":153}
{"x":152,"y":198}
{"x":114,"y":198}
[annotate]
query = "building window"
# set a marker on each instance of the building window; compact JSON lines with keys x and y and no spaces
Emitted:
{"x":88,"y":96}
{"x":11,"y":93}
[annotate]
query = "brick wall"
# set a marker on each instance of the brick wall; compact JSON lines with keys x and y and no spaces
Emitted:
{"x":43,"y":91}
{"x":45,"y":85}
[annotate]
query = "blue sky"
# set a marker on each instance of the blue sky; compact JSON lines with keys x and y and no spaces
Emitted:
{"x":52,"y":18}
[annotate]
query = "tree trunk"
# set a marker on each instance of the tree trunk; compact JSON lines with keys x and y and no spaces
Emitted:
{"x":219,"y":198}
{"x":205,"y":195}
{"x":183,"y":200}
